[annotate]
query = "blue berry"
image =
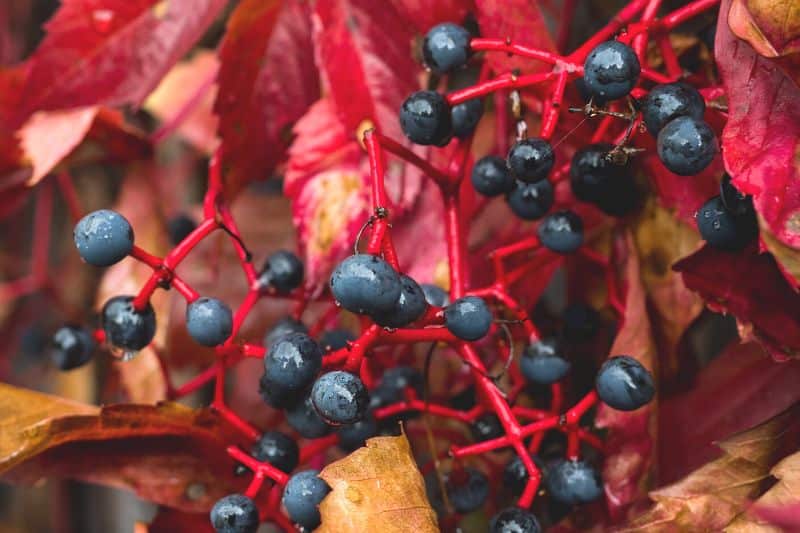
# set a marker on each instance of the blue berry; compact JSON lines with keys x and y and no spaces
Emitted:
{"x":668,"y":101}
{"x":125,"y":327}
{"x":335,"y":339}
{"x":465,"y":117}
{"x":275,"y":394}
{"x":586,"y":94}
{"x":531,"y":201}
{"x":530,"y":160}
{"x":723,"y":229}
{"x":179,"y":227}
{"x":283,"y":327}
{"x":514,"y":520}
{"x":581,"y":322}
{"x":686,"y":145}
{"x":73,"y":347}
{"x":365,"y":284}
{"x":235,"y":513}
{"x":446,"y":47}
{"x":340,"y":397}
{"x":293,"y":361}
{"x":435,"y":295}
{"x":467,"y":490}
{"x":595,"y":179}
{"x":425,"y":118}
{"x":283,"y":272}
{"x":302,"y":495}
{"x":468,"y":318}
{"x":209,"y":321}
{"x":543,"y":363}
{"x":486,"y":427}
{"x":353,"y":436}
{"x":515,"y":475}
{"x":410,"y":305}
{"x":277,"y":449}
{"x":391,"y":388}
{"x":490,"y":176}
{"x":624,"y":384}
{"x":561,"y":232}
{"x":572,"y":482}
{"x":103,"y":237}
{"x":611,"y":70}
{"x":303,"y":418}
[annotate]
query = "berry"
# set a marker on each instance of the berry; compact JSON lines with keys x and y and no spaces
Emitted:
{"x":302,"y":495}
{"x":668,"y":101}
{"x":597,"y":180}
{"x":542,"y":362}
{"x":209,"y":321}
{"x":686,"y":145}
{"x":340,"y":397}
{"x":446,"y":47}
{"x":103,"y":237}
{"x":490,"y":176}
{"x":572,"y":482}
{"x":353,"y":436}
{"x":435,"y":295}
{"x":624,"y":384}
{"x":125,"y":327}
{"x":468,"y":318}
{"x":365,"y":284}
{"x":531,"y":201}
{"x":179,"y":227}
{"x":392,"y":386}
{"x":515,"y":475}
{"x":235,"y":513}
{"x":293,"y":361}
{"x":425,"y":118}
{"x":277,"y":449}
{"x":73,"y":347}
{"x":465,"y":117}
{"x":581,"y":322}
{"x":611,"y":70}
{"x":723,"y":229}
{"x":530,"y":160}
{"x":734,"y":201}
{"x":587,"y":95}
{"x":467,"y":490}
{"x":410,"y":305}
{"x":335,"y":339}
{"x":514,"y":520}
{"x":283,"y":272}
{"x":303,"y":418}
{"x":282,"y":327}
{"x":486,"y":427}
{"x":561,"y":232}
{"x":275,"y":394}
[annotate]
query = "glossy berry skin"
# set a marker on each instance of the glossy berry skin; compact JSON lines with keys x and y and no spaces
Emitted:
{"x":531,"y":201}
{"x":410,"y":306}
{"x":491,"y":177}
{"x":425,"y":118}
{"x":365,"y":284}
{"x":302,"y":495}
{"x":277,"y":449}
{"x":668,"y":101}
{"x":72,"y":347}
{"x":209,"y":321}
{"x":235,"y":513}
{"x":179,"y":227}
{"x":435,"y":295}
{"x":595,"y":179}
{"x":335,"y":339}
{"x":686,"y":146}
{"x":394,"y":382}
{"x":468,"y":318}
{"x":530,"y":160}
{"x":624,"y":384}
{"x":353,"y":436}
{"x":572,"y":482}
{"x":340,"y":398}
{"x":515,"y":475}
{"x":283,"y":272}
{"x":467,"y":490}
{"x":277,"y":395}
{"x":561,"y":232}
{"x":293,"y":361}
{"x":103,"y":237}
{"x":446,"y":48}
{"x":723,"y":229}
{"x":514,"y":520}
{"x":282,"y":327}
{"x":543,"y":363}
{"x":611,"y":70}
{"x":486,"y":427}
{"x":126,"y":328}
{"x":304,"y":419}
{"x":465,"y":117}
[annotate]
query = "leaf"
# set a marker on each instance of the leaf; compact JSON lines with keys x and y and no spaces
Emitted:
{"x":376,"y":488}
{"x":772,"y":27}
{"x":424,"y":14}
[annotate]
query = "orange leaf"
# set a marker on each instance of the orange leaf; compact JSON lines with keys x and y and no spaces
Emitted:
{"x":772,"y":27}
{"x":783,"y":494}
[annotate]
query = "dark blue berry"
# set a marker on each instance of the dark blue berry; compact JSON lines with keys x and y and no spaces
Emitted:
{"x":209,"y":321}
{"x":514,"y":520}
{"x":365,"y":284}
{"x":515,"y":475}
{"x":490,"y":176}
{"x":303,"y":418}
{"x":581,"y":322}
{"x":446,"y":47}
{"x":467,"y":490}
{"x":611,"y":70}
{"x":391,"y":388}
{"x":293,"y":361}
{"x":465,"y":117}
{"x":561,"y":232}
{"x":103,"y":237}
{"x":723,"y":229}
{"x":586,"y":94}
{"x":283,"y":272}
{"x":179,"y":227}
{"x":235,"y":513}
{"x":335,"y":339}
{"x":410,"y":305}
{"x":686,"y":145}
{"x":435,"y":295}
{"x":283,"y":327}
{"x":531,"y":201}
{"x":668,"y":101}
{"x":340,"y":397}
{"x":595,"y":179}
{"x":277,"y":395}
{"x":543,"y":363}
{"x":486,"y":427}
{"x":624,"y":384}
{"x":572,"y":482}
{"x":302,"y":495}
{"x":468,"y":318}
{"x":530,"y":160}
{"x":353,"y":436}
{"x":277,"y":449}
{"x":126,"y":328}
{"x":425,"y":118}
{"x":73,"y":347}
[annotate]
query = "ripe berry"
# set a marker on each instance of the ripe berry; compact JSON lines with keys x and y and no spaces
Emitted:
{"x":686,"y":145}
{"x":468,"y":318}
{"x":597,"y":180}
{"x":435,"y":295}
{"x":543,"y":363}
{"x":365,"y":284}
{"x":293,"y":361}
{"x":561,"y":232}
{"x":340,"y":397}
{"x":275,"y":394}
{"x":490,"y":176}
{"x":353,"y":436}
{"x":446,"y":47}
{"x":302,"y":495}
{"x":392,"y":386}
{"x":303,"y":418}
{"x":514,"y":520}
{"x":465,"y":117}
{"x":73,"y":347}
{"x":283,"y":272}
{"x":587,"y":95}
{"x":335,"y":339}
{"x":530,"y":160}
{"x":235,"y":513}
{"x":103,"y":237}
{"x":611,"y":70}
{"x":125,"y":327}
{"x":277,"y":449}
{"x":410,"y":305}
{"x":515,"y":475}
{"x":531,"y":201}
{"x":179,"y":227}
{"x":624,"y":384}
{"x":572,"y":482}
{"x":209,"y":321}
{"x":467,"y":490}
{"x":425,"y":118}
{"x":486,"y":427}
{"x":723,"y":229}
{"x":668,"y":101}
{"x":282,"y":327}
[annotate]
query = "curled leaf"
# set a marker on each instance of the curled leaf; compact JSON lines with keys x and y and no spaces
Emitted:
{"x":780,"y":505}
{"x":772,"y":27}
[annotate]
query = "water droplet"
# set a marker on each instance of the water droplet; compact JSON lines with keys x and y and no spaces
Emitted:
{"x":716,"y":224}
{"x":102,"y":19}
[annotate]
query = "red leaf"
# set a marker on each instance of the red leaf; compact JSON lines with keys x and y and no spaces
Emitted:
{"x":424,"y":14}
